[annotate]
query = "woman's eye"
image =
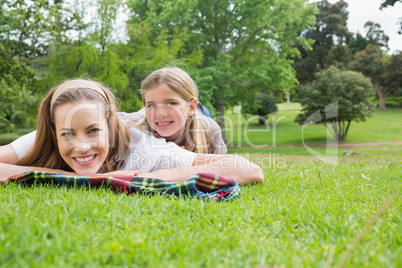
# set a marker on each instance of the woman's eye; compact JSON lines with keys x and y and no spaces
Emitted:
{"x":67,"y":134}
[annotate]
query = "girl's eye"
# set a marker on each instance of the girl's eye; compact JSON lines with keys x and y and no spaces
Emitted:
{"x":171,"y":103}
{"x":151,"y":105}
{"x":94,"y":130}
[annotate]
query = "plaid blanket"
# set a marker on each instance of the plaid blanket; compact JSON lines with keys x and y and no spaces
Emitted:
{"x":206,"y":186}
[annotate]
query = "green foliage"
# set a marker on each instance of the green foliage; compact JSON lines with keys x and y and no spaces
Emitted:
{"x":392,"y":79}
{"x":264,"y":105}
{"x":358,"y":43}
{"x":335,"y":99}
{"x":391,"y":102}
{"x":6,"y":138}
{"x":4,"y":124}
{"x":330,"y":34}
{"x":16,"y":99}
{"x":375,"y":35}
{"x":235,"y":44}
{"x":388,"y":3}
{"x":370,"y":62}
{"x":19,"y":119}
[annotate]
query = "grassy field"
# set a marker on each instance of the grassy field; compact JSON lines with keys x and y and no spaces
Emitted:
{"x":282,"y":131}
{"x":342,"y":211}
{"x":306,"y":213}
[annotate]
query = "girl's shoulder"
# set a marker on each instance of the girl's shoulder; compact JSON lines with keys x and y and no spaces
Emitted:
{"x":208,"y":123}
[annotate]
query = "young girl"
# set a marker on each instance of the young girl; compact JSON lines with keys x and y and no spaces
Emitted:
{"x":197,"y":133}
{"x":170,"y":99}
{"x":80,"y":132}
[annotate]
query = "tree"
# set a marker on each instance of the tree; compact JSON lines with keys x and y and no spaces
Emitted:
{"x":90,"y":51}
{"x":370,"y":63}
{"x":358,"y":43}
{"x":388,"y":3}
{"x":240,"y":47}
{"x":24,"y":34}
{"x":375,"y":35}
{"x":330,"y":34}
{"x":393,"y":74}
{"x":264,"y":104}
{"x":336,"y":98}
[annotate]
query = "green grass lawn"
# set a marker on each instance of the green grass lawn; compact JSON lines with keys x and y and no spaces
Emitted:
{"x":306,"y":213}
{"x":282,"y":131}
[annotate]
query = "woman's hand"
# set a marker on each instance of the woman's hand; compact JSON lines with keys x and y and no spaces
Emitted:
{"x":122,"y":173}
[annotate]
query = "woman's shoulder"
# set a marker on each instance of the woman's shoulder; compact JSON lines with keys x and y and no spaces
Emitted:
{"x":132,"y":117}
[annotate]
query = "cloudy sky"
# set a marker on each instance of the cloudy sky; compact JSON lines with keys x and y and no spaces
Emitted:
{"x":361,"y":11}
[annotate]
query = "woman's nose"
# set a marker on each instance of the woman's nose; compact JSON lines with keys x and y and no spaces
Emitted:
{"x":82,"y":145}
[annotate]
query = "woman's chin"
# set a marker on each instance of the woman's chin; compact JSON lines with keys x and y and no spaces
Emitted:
{"x":86,"y":172}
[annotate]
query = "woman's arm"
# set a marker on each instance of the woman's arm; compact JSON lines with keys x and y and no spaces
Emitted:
{"x":8,"y":170}
{"x":8,"y":154}
{"x":230,"y":166}
{"x":11,"y":153}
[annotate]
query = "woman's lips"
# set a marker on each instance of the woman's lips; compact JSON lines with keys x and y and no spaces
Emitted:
{"x":85,"y":160}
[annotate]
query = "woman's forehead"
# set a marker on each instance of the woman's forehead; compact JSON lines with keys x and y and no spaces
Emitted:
{"x":84,"y":111}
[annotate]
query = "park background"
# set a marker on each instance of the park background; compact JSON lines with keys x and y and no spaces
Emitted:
{"x":331,"y":205}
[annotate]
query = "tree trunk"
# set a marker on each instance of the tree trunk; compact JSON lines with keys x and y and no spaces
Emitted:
{"x":381,"y":96}
{"x":382,"y":100}
{"x":262,"y":119}
{"x":219,"y":106}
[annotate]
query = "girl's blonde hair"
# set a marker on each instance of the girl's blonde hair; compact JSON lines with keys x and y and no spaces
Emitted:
{"x":197,"y":139}
{"x":45,"y":152}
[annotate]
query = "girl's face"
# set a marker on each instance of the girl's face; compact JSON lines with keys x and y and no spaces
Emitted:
{"x":167,"y":112}
{"x":82,"y":136}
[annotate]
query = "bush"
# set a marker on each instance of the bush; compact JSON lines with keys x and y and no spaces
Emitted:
{"x":4,"y":124}
{"x":264,"y":105}
{"x":390,"y":101}
{"x":19,"y":119}
{"x":8,"y":138}
{"x":335,"y":99}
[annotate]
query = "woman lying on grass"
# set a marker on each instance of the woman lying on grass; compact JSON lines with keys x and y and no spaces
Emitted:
{"x":79,"y":133}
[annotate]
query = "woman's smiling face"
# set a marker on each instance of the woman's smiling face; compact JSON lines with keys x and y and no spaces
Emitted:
{"x":82,"y":135}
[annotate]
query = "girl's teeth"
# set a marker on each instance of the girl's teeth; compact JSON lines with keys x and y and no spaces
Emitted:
{"x":85,"y":159}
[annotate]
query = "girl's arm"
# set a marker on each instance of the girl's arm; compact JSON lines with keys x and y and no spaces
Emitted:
{"x":230,"y":166}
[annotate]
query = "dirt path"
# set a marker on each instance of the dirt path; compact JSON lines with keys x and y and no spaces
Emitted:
{"x":361,"y":146}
